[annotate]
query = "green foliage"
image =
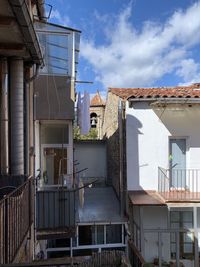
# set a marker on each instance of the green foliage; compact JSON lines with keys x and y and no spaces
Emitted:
{"x":92,"y":135}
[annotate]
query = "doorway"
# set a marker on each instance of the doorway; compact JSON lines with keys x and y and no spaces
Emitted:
{"x":177,"y":162}
{"x":55,"y":164}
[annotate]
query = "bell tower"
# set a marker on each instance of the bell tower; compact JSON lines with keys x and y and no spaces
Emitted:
{"x":97,"y":108}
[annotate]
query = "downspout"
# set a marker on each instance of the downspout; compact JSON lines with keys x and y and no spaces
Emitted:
{"x":121,"y":189}
{"x":26,"y":122}
{"x":28,"y":118}
{"x":41,"y":9}
{"x":4,"y":117}
{"x":124,"y":156}
{"x":17,"y":116}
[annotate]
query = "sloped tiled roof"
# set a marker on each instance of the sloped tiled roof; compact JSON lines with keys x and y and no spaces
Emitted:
{"x":97,"y":100}
{"x":191,"y":91}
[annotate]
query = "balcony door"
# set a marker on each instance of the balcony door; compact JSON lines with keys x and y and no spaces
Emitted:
{"x":54,"y":160}
{"x":177,"y":162}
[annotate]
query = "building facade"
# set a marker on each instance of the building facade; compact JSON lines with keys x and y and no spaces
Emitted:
{"x":20,"y":58}
{"x":162,"y":173}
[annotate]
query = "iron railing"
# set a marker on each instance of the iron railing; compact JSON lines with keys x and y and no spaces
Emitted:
{"x":16,"y":217}
{"x":179,"y":184}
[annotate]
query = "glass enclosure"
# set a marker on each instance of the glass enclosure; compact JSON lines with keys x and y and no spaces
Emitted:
{"x":60,"y":46}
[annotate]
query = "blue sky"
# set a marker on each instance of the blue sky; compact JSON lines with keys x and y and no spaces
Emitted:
{"x":138,"y":43}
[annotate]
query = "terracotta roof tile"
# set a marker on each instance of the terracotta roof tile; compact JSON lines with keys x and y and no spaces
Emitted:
{"x":97,"y":100}
{"x":156,"y":92}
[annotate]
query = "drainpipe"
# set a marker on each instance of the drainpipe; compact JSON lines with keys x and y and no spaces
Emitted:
{"x":4,"y":117}
{"x":41,"y":9}
{"x":122,"y":145}
{"x":17,"y":116}
{"x":124,"y":174}
{"x":27,"y":124}
{"x":121,"y":160}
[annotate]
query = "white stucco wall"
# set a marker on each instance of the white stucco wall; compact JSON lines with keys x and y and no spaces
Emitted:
{"x":91,"y":155}
{"x":148,"y":132}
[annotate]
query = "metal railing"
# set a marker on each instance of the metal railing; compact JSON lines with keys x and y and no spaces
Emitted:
{"x":16,"y":217}
{"x":179,"y":184}
{"x":56,"y":210}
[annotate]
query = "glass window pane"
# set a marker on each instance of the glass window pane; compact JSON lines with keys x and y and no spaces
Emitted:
{"x":175,"y":216}
{"x":175,"y":225}
{"x":55,"y":134}
{"x":113,"y":233}
{"x":188,"y":237}
{"x":187,"y":225}
{"x":56,"y":44}
{"x":100,"y":234}
{"x":87,"y":235}
{"x":187,"y":216}
{"x":55,"y":166}
{"x":173,"y":247}
{"x":173,"y":237}
{"x":188,"y":248}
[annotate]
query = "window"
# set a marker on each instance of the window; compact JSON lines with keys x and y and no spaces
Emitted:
{"x":113,"y":233}
{"x":91,"y":234}
{"x":87,"y":235}
{"x":55,"y":134}
{"x":182,"y":220}
{"x":93,"y":120}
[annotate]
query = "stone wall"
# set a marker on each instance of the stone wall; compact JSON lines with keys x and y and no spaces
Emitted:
{"x":111,"y":134}
{"x":99,"y":110}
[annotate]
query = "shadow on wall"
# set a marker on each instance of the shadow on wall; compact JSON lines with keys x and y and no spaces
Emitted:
{"x":113,"y":161}
{"x":133,"y":126}
{"x":131,"y":149}
{"x":181,"y":121}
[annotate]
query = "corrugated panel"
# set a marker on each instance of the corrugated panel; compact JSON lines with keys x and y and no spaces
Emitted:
{"x":55,"y":209}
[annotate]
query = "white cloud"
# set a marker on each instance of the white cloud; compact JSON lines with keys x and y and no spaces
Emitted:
{"x":62,"y":20}
{"x":189,"y":70}
{"x":139,"y":58}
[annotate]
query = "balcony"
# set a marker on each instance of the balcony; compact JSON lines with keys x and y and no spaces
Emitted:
{"x":55,"y":212}
{"x":179,"y":185}
{"x":16,"y":218}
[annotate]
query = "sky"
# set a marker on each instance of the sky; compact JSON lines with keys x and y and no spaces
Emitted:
{"x":133,"y":43}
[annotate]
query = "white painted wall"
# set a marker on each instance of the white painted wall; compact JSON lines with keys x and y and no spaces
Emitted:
{"x":155,"y":217}
{"x":148,"y":132}
{"x":91,"y":155}
{"x":158,"y":218}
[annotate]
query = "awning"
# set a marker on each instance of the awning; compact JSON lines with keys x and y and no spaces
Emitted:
{"x":145,"y":198}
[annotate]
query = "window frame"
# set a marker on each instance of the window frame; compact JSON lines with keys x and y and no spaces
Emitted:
{"x":182,"y":242}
